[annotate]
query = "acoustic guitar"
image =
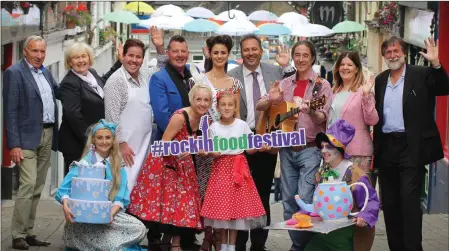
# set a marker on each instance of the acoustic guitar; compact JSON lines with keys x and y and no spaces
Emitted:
{"x":283,"y":116}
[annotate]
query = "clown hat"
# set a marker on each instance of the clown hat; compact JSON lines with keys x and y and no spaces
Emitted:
{"x":338,"y":135}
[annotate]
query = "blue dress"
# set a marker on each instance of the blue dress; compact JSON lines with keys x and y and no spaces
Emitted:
{"x":124,"y":233}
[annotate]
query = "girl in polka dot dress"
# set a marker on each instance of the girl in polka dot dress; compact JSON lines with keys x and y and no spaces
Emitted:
{"x":232,"y":202}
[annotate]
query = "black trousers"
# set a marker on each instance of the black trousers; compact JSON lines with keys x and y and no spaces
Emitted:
{"x":262,"y":167}
{"x":401,"y":183}
{"x":68,"y":159}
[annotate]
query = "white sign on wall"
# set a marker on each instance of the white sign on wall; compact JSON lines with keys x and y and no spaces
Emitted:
{"x":417,"y":26}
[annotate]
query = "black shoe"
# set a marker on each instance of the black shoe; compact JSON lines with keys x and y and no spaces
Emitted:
{"x":20,"y":244}
{"x":32,"y":241}
{"x":258,"y":249}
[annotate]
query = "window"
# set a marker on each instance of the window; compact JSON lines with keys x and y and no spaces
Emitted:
{"x":198,"y":57}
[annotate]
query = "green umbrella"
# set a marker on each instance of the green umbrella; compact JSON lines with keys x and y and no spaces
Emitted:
{"x":348,"y":27}
{"x":121,"y":16}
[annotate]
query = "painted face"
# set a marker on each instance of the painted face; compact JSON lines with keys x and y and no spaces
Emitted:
{"x":251,"y":53}
{"x":80,"y":63}
{"x":329,"y":152}
{"x":303,"y":58}
{"x":132,"y":60}
{"x":178,"y":54}
{"x":35,"y":53}
{"x":103,"y":141}
{"x":347,"y":69}
{"x":226,"y":107}
{"x":219,"y":54}
{"x":201,"y":101}
{"x":394,"y":56}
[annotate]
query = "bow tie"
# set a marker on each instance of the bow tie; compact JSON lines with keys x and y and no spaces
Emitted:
{"x":331,"y":173}
{"x":35,"y":70}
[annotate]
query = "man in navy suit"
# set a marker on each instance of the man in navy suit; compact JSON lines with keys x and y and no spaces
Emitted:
{"x":31,"y":124}
{"x":169,"y":89}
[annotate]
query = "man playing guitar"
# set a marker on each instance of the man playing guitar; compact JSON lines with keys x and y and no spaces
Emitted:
{"x":299,"y":165}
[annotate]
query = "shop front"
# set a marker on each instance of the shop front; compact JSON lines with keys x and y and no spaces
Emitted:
{"x":422,"y":21}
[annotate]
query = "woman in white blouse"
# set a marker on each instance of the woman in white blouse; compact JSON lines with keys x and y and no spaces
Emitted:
{"x":127,"y":103}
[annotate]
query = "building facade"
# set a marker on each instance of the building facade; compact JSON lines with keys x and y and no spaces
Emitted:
{"x":48,"y":21}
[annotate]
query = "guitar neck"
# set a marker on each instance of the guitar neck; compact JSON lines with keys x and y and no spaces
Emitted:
{"x":287,"y":115}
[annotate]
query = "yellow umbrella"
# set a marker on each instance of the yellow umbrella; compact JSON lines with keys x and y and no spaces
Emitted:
{"x":139,"y":7}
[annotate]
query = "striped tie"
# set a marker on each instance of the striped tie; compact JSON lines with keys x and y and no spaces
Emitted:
{"x":256,"y":94}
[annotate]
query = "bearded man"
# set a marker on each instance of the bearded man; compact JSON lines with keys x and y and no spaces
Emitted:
{"x":406,"y":137}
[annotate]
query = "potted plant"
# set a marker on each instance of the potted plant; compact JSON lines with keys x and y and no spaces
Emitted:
{"x":84,"y":14}
{"x":25,"y":6}
{"x":53,"y":6}
{"x":71,"y":16}
{"x":388,"y":14}
{"x":9,"y":6}
{"x":102,"y":38}
{"x":109,"y":34}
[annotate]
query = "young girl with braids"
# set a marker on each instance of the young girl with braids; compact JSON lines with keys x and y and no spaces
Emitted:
{"x":124,"y":231}
{"x":232,"y":202}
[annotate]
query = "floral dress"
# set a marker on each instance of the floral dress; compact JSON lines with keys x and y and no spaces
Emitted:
{"x":166,"y":189}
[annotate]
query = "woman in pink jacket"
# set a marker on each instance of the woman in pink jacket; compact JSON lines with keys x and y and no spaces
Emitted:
{"x":353,"y":101}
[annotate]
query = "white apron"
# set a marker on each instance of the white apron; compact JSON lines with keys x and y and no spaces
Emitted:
{"x":135,"y":127}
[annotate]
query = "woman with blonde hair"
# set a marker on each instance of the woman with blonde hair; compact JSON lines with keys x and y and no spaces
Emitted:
{"x":166,"y":193}
{"x":353,"y":101}
{"x":81,"y":95}
{"x":124,"y":232}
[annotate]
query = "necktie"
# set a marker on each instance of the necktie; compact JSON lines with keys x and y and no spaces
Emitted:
{"x":256,"y":94}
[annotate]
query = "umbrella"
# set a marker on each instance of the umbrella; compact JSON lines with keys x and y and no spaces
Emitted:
{"x":166,"y":23}
{"x":120,"y":16}
{"x":169,"y":10}
{"x":291,"y":19}
{"x":268,"y":29}
{"x":200,"y":12}
{"x":347,"y":27}
{"x":139,"y":7}
{"x":236,"y":14}
{"x":311,"y":30}
{"x":262,"y":15}
{"x":201,"y":25}
{"x":237,"y":27}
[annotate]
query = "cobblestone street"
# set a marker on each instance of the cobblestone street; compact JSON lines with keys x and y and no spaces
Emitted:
{"x":50,"y":224}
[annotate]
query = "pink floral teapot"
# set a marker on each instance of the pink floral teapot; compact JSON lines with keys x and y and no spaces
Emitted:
{"x":332,"y":201}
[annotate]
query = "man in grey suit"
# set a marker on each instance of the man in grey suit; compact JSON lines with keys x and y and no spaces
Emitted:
{"x":256,"y":78}
{"x":31,"y":122}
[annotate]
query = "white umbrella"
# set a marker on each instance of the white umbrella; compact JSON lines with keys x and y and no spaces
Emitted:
{"x":235,"y":14}
{"x":166,"y":23}
{"x":168,"y":10}
{"x":291,"y":19}
{"x":262,"y":15}
{"x":237,"y":27}
{"x":311,"y":30}
{"x":200,"y":12}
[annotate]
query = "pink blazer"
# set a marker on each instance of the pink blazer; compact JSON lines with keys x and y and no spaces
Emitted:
{"x":361,"y":112}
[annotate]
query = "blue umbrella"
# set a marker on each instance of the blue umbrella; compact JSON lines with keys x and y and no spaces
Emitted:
{"x":201,"y":25}
{"x":270,"y":29}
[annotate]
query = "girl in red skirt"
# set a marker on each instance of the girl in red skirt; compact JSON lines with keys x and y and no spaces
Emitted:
{"x":231,"y":202}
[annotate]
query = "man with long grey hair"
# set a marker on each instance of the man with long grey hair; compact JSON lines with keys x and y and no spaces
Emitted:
{"x":31,"y":125}
{"x":406,"y":137}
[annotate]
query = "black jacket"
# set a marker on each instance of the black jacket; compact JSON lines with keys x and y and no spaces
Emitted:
{"x":421,"y":86}
{"x":81,"y":107}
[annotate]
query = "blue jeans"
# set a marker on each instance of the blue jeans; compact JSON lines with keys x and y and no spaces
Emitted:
{"x":298,"y":171}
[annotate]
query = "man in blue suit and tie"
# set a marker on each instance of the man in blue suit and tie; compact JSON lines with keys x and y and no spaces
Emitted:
{"x":169,"y":88}
{"x":31,"y":127}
